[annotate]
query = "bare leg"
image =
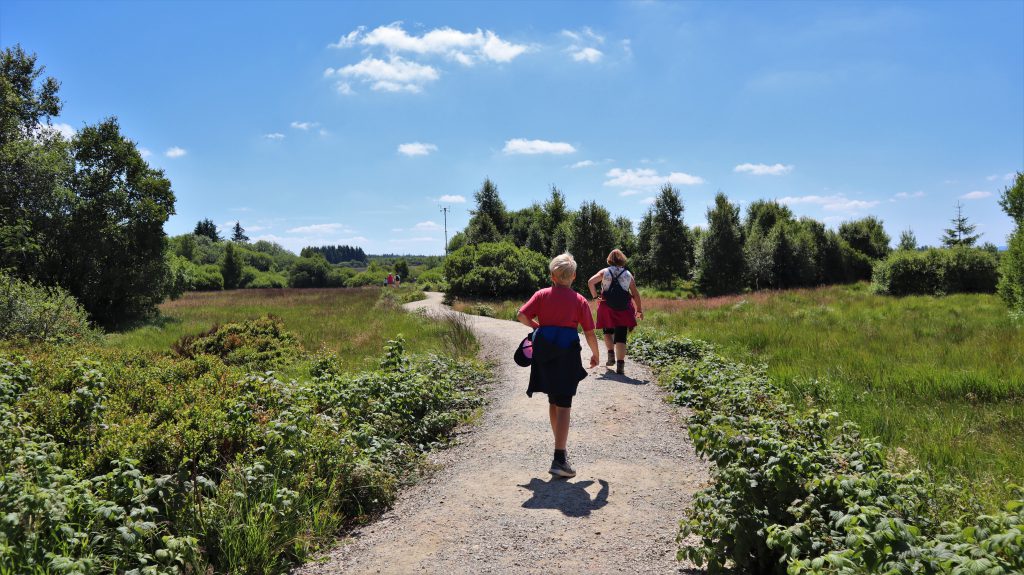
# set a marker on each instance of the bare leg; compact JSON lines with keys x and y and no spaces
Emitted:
{"x":608,"y":341}
{"x":553,"y":415}
{"x":620,"y":351}
{"x":561,"y":426}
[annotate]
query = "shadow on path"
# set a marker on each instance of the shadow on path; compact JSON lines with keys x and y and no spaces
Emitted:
{"x":610,"y":375}
{"x":571,"y":498}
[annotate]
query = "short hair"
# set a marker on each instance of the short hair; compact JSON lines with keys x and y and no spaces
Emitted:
{"x":563,"y":268}
{"x":617,"y":258}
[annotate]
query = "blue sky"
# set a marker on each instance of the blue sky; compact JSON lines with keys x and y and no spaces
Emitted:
{"x":321,"y":123}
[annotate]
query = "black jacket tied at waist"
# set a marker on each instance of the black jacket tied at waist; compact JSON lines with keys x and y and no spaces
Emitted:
{"x":557,"y":367}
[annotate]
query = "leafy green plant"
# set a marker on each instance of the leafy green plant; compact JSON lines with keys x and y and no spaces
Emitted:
{"x":36,"y":313}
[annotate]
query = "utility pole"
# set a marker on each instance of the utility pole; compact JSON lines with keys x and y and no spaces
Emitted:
{"x":445,"y":209}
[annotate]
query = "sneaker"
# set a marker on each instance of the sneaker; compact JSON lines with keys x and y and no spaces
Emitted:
{"x":562,"y":469}
{"x":620,"y":367}
{"x":611,"y":359}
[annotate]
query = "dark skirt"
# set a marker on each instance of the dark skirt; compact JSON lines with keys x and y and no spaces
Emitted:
{"x":557,"y":367}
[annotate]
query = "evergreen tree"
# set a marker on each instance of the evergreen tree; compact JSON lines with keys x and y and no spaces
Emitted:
{"x":592,"y":238}
{"x":402,"y":269}
{"x":908,"y":240}
{"x":489,"y":204}
{"x":671,"y":251}
{"x":207,"y":228}
{"x":625,"y":239}
{"x":482,"y":230}
{"x":238,"y":234}
{"x":721,"y":266}
{"x":962,"y":233}
{"x":231,"y":267}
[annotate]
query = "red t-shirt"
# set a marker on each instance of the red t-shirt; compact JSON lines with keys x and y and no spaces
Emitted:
{"x":559,"y":306}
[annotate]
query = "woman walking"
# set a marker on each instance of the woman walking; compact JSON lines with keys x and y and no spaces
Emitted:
{"x":557,"y":368}
{"x":619,"y":308}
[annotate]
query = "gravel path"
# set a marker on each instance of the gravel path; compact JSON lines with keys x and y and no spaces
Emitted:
{"x":491,"y":507}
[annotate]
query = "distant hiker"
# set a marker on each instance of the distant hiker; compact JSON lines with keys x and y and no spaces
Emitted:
{"x":398,"y":280}
{"x":557,"y":367}
{"x":616,"y":312}
{"x":391,"y":280}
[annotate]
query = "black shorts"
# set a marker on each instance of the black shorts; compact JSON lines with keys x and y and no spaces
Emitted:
{"x":619,"y":333}
{"x":560,"y":400}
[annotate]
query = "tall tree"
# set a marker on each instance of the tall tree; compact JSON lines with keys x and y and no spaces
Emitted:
{"x":488,"y":203}
{"x":625,"y":239}
{"x":231,"y":267}
{"x":238,"y":233}
{"x":962,"y":233}
{"x":114,"y":244}
{"x":671,"y":251}
{"x":207,"y":228}
{"x":592,"y":238}
{"x":1011,"y":281}
{"x":482,"y":230}
{"x":720,"y":263}
{"x":908,"y":240}
{"x":866,"y":235}
{"x":402,"y":268}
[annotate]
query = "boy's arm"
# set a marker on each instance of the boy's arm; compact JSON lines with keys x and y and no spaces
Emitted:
{"x":528,"y":322}
{"x":592,"y":342}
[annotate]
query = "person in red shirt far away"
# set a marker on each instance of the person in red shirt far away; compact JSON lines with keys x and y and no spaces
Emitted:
{"x":554,"y":313}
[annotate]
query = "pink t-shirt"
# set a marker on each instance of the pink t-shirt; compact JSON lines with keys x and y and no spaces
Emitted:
{"x":559,"y":306}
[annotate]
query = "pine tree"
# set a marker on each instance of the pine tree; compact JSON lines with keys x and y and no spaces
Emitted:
{"x":962,"y":233}
{"x":488,"y":203}
{"x":1011,"y":281}
{"x":238,"y":234}
{"x":721,"y":266}
{"x":908,"y":241}
{"x":231,"y":268}
{"x":207,"y":228}
{"x":592,"y":238}
{"x":671,"y":251}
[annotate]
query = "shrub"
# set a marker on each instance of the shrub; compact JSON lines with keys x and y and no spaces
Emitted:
{"x":39,"y":313}
{"x":432,"y":280}
{"x":370,"y":277}
{"x":267,"y":280}
{"x":1011,"y":282}
{"x":495,"y":270}
{"x":208,"y":278}
{"x":800,"y":491}
{"x":936,"y":272}
{"x":260,"y":343}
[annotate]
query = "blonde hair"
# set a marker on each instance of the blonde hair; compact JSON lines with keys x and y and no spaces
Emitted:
{"x":563,"y":268}
{"x":617,"y":258}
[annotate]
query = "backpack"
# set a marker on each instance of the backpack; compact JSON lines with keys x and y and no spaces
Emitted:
{"x":617,"y":297}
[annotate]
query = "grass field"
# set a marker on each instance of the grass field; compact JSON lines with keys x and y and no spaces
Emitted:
{"x":939,"y":378}
{"x":354,"y":323}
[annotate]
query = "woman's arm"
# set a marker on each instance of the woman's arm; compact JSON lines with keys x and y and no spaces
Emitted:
{"x":528,"y":322}
{"x":636,"y":298}
{"x":593,"y":281}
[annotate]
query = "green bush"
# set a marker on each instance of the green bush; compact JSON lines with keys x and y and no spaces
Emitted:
{"x":263,"y":280}
{"x":260,"y":344}
{"x":208,"y":278}
{"x":370,"y":277}
{"x":495,"y":270}
{"x":39,"y":313}
{"x":1011,"y":281}
{"x":432,"y":280}
{"x":936,"y":272}
{"x":148,"y":463}
{"x":800,"y":491}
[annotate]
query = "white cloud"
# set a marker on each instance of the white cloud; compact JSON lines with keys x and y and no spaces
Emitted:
{"x":304,"y":126}
{"x":834,"y":203}
{"x":416,"y":149}
{"x":344,"y":88}
{"x":907,"y":195}
{"x":394,"y":75}
{"x":646,"y":178}
{"x":591,"y":55}
{"x":521,"y":146}
{"x":324,"y":132}
{"x":583,"y":164}
{"x":427,"y":226}
{"x":463,"y":47}
{"x":583,"y":45}
{"x":625,"y":193}
{"x":627,"y":48}
{"x":763,"y":169}
{"x":319,"y":229}
{"x":175,"y":152}
{"x":452,"y":199}
{"x":64,"y":129}
{"x":145,"y":152}
{"x":274,"y":136}
{"x":348,"y":40}
{"x":1006,"y":177}
{"x":649,"y":200}
{"x":975,"y":195}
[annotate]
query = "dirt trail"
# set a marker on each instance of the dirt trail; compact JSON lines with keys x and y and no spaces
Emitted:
{"x":491,"y":507}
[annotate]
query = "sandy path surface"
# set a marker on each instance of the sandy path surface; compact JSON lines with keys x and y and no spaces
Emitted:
{"x":491,"y":507}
